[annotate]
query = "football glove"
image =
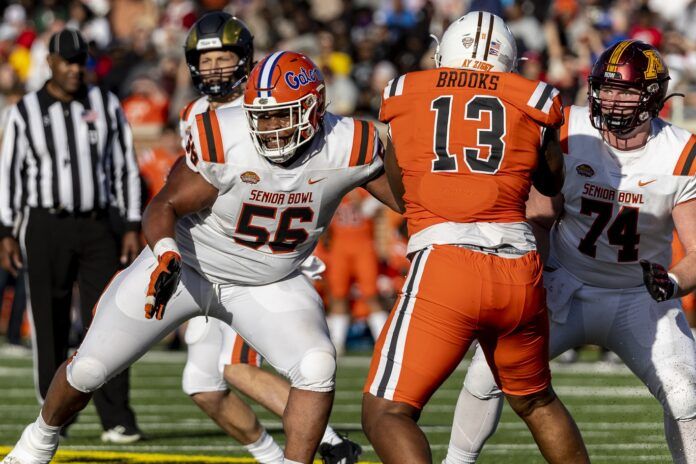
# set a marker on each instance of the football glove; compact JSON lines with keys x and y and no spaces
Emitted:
{"x":659,"y":283}
{"x":163,"y":282}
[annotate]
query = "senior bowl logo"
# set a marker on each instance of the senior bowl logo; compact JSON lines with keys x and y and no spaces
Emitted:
{"x":304,"y":77}
{"x":250,"y":177}
{"x":467,"y":41}
{"x":585,"y":170}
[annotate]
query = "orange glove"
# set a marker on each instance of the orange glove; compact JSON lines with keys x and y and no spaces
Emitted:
{"x":163,"y":282}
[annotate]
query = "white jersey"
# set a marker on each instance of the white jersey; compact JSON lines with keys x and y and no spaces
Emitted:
{"x":618,"y":204}
{"x":187,"y":117}
{"x":267,"y":218}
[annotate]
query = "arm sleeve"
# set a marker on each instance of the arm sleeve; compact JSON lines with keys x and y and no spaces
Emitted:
{"x":125,"y":168}
{"x":12,"y":155}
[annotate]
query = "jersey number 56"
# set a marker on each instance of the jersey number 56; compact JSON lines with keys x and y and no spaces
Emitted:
{"x":285,"y":239}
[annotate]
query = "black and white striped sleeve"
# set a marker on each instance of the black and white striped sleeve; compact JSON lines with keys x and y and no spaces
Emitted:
{"x":12,"y":156}
{"x":126,"y":176}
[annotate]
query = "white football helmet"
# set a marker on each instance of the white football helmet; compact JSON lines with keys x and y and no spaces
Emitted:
{"x":478,"y":40}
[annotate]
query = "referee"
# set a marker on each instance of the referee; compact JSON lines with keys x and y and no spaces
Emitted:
{"x":66,"y":157}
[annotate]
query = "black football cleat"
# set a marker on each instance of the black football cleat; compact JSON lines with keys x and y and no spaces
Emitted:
{"x":346,"y":452}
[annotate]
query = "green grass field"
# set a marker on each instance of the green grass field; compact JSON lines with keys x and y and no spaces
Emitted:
{"x":620,"y":421}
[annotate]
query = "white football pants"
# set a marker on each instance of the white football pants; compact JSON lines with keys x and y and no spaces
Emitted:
{"x":283,"y":321}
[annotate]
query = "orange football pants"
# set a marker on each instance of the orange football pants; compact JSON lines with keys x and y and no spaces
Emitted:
{"x":452,"y":296}
{"x":352,"y":260}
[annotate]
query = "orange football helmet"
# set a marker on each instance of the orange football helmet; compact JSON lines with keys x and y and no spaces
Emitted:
{"x":284,"y":81}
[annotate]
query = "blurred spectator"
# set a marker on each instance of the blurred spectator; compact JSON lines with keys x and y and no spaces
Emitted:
{"x":645,"y":28}
{"x":156,"y":162}
{"x":686,"y":20}
{"x":341,"y":93}
{"x":147,"y":105}
{"x":89,"y":17}
{"x":179,"y":14}
{"x":47,"y":12}
{"x":353,"y":258}
{"x":384,"y":71}
{"x":526,"y":28}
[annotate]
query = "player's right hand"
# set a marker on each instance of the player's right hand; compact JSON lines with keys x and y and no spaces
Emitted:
{"x":658,"y":282}
{"x":10,"y":255}
{"x":163,"y":282}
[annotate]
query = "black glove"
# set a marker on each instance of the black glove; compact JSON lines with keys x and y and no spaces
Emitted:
{"x":163,"y":283}
{"x":658,"y":282}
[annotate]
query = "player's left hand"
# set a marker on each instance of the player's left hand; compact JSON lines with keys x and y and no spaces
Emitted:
{"x":163,"y":282}
{"x":658,"y":282}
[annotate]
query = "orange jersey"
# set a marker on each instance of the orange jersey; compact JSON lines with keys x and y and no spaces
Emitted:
{"x":155,"y":164}
{"x":350,"y":223}
{"x":140,"y":109}
{"x":467,"y":142}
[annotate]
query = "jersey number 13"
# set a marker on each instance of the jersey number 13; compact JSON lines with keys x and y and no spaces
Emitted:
{"x":491,"y":137}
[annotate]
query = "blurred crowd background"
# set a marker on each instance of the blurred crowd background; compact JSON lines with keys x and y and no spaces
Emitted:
{"x":136,"y":51}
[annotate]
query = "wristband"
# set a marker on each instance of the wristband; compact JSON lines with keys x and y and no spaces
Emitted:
{"x":164,"y":245}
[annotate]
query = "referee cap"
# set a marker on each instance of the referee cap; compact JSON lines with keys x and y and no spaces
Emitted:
{"x":69,"y":45}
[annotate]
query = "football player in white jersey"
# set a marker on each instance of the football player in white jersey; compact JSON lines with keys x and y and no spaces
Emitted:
{"x":629,"y":180}
{"x":226,"y":236}
{"x":219,"y":53}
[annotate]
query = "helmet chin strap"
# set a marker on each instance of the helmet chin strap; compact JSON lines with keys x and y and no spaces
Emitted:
{"x":675,"y":94}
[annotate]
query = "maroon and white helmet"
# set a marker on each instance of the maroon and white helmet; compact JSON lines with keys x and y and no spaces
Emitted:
{"x":630,"y":64}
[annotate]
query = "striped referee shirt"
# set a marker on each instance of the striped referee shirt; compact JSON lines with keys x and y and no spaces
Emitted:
{"x":72,"y":156}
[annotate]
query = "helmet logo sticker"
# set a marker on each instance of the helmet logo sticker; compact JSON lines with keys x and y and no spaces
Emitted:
{"x":495,"y":48}
{"x":612,"y":75}
{"x":211,"y":42}
{"x":467,"y":41}
{"x":302,"y":78}
{"x":655,"y":65}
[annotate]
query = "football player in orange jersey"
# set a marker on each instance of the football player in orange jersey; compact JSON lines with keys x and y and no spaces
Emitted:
{"x":629,"y":182}
{"x":469,"y":139}
{"x":353,"y":256}
{"x":156,"y":162}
